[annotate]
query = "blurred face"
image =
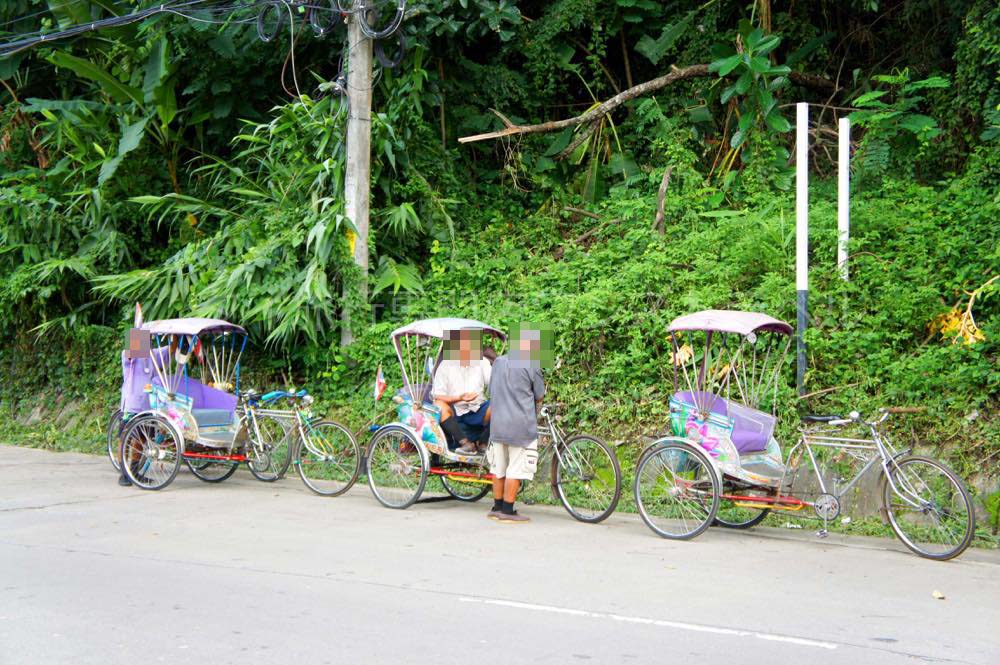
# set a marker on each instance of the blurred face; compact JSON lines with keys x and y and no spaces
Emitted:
{"x":464,"y":346}
{"x":138,"y":344}
{"x":531,"y":346}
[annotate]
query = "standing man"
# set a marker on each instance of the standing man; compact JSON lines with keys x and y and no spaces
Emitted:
{"x":516,"y":390}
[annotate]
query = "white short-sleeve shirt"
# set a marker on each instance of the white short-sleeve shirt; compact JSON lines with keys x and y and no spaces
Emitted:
{"x":452,"y":378}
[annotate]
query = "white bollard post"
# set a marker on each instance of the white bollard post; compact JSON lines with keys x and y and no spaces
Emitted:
{"x":801,"y":239}
{"x":843,"y":194}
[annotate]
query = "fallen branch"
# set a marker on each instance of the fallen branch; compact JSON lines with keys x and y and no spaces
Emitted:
{"x":594,"y":113}
{"x":599,"y":227}
{"x":601,"y":110}
{"x":581,"y":211}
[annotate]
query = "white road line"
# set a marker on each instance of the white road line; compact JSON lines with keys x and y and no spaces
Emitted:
{"x":680,"y":625}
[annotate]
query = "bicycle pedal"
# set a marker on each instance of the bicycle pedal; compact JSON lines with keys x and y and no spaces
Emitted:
{"x":822,"y":533}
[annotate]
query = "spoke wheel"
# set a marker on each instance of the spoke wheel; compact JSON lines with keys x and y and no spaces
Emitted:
{"x":928,"y":508}
{"x":115,"y":426}
{"x":210,"y":470}
{"x":587,"y":478}
{"x":328,"y":459}
{"x":397,"y":467}
{"x":269,"y":457}
{"x":151,"y":452}
{"x":676,"y":490}
{"x":465,"y":489}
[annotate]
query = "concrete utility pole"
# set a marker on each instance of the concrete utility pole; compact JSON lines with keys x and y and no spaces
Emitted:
{"x":357,"y":184}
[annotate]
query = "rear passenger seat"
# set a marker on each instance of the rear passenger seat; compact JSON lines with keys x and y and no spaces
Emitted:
{"x":752,"y":428}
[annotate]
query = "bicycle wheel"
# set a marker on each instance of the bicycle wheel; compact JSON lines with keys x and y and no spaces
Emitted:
{"x":323,"y":16}
{"x":676,"y":490}
{"x":397,"y":467}
{"x":328,"y":458}
{"x":465,"y":489}
{"x":268,"y":458}
{"x":210,"y":470}
{"x":115,"y":426}
{"x":151,"y":452}
{"x":586,"y":478}
{"x":928,"y":507}
{"x":270,"y":20}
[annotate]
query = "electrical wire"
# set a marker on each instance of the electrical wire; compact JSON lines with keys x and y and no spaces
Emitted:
{"x":43,"y":11}
{"x":29,"y":40}
{"x":202,"y":11}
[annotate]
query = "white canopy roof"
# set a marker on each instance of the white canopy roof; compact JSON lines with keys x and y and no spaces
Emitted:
{"x":191,"y":326}
{"x":730,"y":321}
{"x":436,"y":328}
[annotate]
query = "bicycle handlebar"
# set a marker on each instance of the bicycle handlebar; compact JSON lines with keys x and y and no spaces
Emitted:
{"x":855,"y":416}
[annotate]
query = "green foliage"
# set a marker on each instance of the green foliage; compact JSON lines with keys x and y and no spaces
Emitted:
{"x":269,"y":248}
{"x":977,"y":72}
{"x":468,"y":18}
{"x":757,"y":81}
{"x":655,"y":49}
{"x":895,"y":133}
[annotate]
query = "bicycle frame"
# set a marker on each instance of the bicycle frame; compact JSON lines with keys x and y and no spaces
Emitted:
{"x":302,"y":422}
{"x":555,"y":436}
{"x":885,"y":454}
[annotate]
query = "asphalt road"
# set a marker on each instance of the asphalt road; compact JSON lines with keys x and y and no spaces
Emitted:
{"x":247,"y":572}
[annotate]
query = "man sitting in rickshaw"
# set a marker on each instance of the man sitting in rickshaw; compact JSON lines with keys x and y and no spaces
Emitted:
{"x":459,"y":390}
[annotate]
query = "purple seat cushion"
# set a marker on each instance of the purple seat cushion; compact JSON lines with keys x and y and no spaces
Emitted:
{"x":745,"y":440}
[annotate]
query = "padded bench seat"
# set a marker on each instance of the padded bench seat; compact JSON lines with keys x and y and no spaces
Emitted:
{"x":212,"y":417}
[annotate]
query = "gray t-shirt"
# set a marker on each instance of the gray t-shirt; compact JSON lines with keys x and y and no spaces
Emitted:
{"x":513,"y":393}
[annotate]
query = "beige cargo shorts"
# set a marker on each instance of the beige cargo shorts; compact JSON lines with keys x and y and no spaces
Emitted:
{"x":514,"y":462}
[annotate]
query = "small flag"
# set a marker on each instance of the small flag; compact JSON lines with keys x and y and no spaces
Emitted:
{"x":429,"y":367}
{"x":380,"y":384}
{"x":138,"y":316}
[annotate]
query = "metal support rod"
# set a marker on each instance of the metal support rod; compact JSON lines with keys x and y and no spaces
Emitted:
{"x":801,"y":239}
{"x":843,"y":195}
